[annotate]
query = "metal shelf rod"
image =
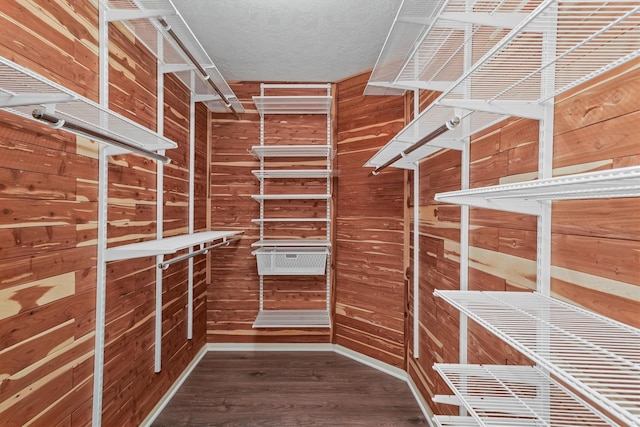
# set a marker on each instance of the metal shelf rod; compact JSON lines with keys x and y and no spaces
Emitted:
{"x":57,"y":123}
{"x":166,"y":27}
{"x":165,"y":264}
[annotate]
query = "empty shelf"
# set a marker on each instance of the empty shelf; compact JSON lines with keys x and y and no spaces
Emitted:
{"x":291,"y":197}
{"x":589,"y":38}
{"x":425,"y":46}
{"x":168,"y":245}
{"x":292,"y":319}
{"x":22,"y":91}
{"x":262,"y":151}
{"x":597,"y":356}
{"x":426,"y":122}
{"x":259,"y":220}
{"x":293,"y":104}
{"x":456,"y":421}
{"x":292,"y":243}
{"x":522,"y":393}
{"x":141,"y":18}
{"x":622,"y":182}
{"x":292,"y":173}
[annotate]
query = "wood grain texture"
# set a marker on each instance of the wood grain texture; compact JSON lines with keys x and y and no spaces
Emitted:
{"x":369,"y":312}
{"x":48,"y":226}
{"x":233,"y":295}
{"x":289,"y":389}
{"x":595,"y":262}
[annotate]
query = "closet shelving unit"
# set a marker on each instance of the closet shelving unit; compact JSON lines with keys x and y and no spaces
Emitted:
{"x":511,"y":395}
{"x":544,"y":49}
{"x":22,"y":91}
{"x":296,"y":256}
{"x":154,"y":23}
{"x":514,"y":76}
{"x":158,"y":25}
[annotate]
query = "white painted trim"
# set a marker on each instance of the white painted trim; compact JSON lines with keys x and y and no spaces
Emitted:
{"x":174,"y":388}
{"x":371,"y":362}
{"x":424,"y":407}
{"x":269,"y":347}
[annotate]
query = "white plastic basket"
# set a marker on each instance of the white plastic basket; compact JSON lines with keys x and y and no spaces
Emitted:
{"x":291,"y":261}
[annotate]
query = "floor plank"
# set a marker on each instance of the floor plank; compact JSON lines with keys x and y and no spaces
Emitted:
{"x":289,"y":389}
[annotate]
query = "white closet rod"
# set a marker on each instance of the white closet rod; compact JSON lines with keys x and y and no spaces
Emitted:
{"x":58,"y":123}
{"x":165,"y":264}
{"x":166,"y":27}
{"x":450,"y":124}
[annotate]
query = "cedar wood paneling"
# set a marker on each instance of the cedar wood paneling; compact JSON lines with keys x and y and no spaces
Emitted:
{"x":233,"y":295}
{"x":48,"y":220}
{"x":370,"y":290}
{"x":595,"y":262}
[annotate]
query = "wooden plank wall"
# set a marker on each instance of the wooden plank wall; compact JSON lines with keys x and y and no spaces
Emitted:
{"x":595,"y":262}
{"x":369,"y":248}
{"x":48,"y":230}
{"x":233,"y":296}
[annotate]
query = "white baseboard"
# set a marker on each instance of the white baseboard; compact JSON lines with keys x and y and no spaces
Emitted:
{"x":371,"y":362}
{"x":354,"y":355}
{"x":269,"y":347}
{"x":174,"y":388}
{"x":422,"y":403}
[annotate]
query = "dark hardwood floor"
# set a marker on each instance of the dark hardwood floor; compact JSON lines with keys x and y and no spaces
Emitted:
{"x":289,"y":389}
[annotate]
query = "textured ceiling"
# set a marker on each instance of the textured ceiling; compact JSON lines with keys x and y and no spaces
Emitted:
{"x":290,"y":40}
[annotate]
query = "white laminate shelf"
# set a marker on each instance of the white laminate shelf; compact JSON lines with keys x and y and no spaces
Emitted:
{"x":293,"y":104}
{"x":22,"y":91}
{"x":263,"y":220}
{"x":522,"y":197}
{"x":552,"y":47}
{"x":168,"y":245}
{"x":517,"y":395}
{"x":291,"y":243}
{"x":264,"y":151}
{"x":292,"y":173}
{"x":259,"y":197}
{"x":141,"y":18}
{"x":454,"y":421}
{"x":457,"y":421}
{"x":597,"y":357}
{"x":292,"y":319}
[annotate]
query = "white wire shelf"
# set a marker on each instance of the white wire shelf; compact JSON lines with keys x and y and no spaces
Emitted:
{"x":259,"y":197}
{"x":424,"y":48}
{"x":292,"y":173}
{"x":551,"y":49}
{"x":291,"y":243}
{"x":141,"y":18}
{"x":263,"y":220}
{"x":455,"y":421}
{"x":517,"y":395}
{"x":292,"y":319}
{"x":597,"y":356}
{"x":263,"y":151}
{"x":522,"y":197}
{"x":168,"y":245}
{"x":293,"y":104}
{"x":22,"y":91}
{"x":426,"y":122}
